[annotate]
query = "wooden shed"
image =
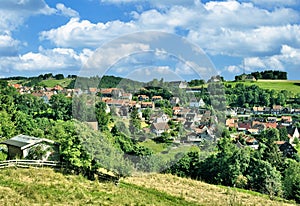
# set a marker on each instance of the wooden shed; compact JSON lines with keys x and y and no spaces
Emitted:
{"x":21,"y":145}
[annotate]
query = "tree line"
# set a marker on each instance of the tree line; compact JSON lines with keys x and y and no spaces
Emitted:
{"x":268,"y":74}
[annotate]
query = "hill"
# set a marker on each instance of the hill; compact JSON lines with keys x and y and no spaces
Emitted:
{"x":45,"y":186}
{"x":278,"y":85}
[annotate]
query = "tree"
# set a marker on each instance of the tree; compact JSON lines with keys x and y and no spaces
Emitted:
{"x":61,"y":107}
{"x":263,"y":177}
{"x":291,"y":181}
{"x":135,"y":121}
{"x":147,"y":113}
{"x":7,"y":127}
{"x":283,"y":134}
{"x":59,"y":76}
{"x":102,"y":116}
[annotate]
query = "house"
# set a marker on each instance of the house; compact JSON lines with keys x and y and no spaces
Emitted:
{"x":143,"y":97}
{"x":197,"y":103}
{"x":159,"y":128}
{"x":114,"y":102}
{"x":127,"y":96}
{"x":156,"y":98}
{"x":244,"y":126}
{"x":58,"y":88}
{"x":296,"y":111}
{"x":93,"y":90}
{"x":21,"y":146}
{"x":258,"y":110}
{"x":189,"y":125}
{"x":106,"y":92}
{"x":147,"y":105}
{"x":261,"y":110}
{"x":293,"y":133}
{"x":176,"y":110}
{"x":162,"y":117}
{"x":252,"y":142}
{"x":194,"y":138}
{"x":286,"y":148}
{"x":276,"y":109}
{"x":286,"y":120}
{"x":249,"y":78}
{"x":270,"y":125}
{"x":179,"y":84}
{"x":192,"y":117}
{"x":231,"y":123}
{"x":174,"y":101}
{"x":230,"y":112}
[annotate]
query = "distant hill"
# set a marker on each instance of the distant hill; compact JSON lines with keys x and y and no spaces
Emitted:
{"x":47,"y":187}
{"x":278,"y":85}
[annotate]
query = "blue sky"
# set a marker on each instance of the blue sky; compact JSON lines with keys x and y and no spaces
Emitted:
{"x":60,"y":36}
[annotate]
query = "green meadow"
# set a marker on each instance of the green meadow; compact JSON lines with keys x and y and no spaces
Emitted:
{"x":278,"y":85}
{"x":45,"y":186}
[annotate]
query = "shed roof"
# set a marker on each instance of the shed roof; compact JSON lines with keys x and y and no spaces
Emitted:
{"x":25,"y":141}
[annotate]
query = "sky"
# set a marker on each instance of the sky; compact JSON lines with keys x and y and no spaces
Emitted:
{"x":175,"y":39}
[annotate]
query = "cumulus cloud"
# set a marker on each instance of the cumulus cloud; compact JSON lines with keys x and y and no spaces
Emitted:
{"x":155,"y":3}
{"x":45,"y":60}
{"x":105,"y":57}
{"x":274,"y":3}
{"x":288,"y":56}
{"x":233,"y":69}
{"x":14,"y":13}
{"x":83,"y":33}
{"x":62,"y":9}
{"x":8,"y":45}
{"x":217,"y":27}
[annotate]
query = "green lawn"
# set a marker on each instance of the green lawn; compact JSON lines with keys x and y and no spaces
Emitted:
{"x":53,"y":82}
{"x":278,"y":85}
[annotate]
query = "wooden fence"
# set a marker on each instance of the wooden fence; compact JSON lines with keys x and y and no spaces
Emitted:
{"x":29,"y":163}
{"x":54,"y":164}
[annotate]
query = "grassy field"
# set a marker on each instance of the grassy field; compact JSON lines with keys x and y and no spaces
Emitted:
{"x":278,"y":85}
{"x":47,"y":187}
{"x":48,"y":83}
{"x":53,"y":82}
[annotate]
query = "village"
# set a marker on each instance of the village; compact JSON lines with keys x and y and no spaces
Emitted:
{"x":196,"y":119}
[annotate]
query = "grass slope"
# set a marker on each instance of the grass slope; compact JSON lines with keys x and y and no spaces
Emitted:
{"x":278,"y":85}
{"x":46,"y":187}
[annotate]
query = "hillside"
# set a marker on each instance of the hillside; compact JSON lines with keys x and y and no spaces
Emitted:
{"x":278,"y":85}
{"x":45,"y":186}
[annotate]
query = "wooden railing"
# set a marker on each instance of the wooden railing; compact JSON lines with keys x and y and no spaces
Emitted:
{"x":54,"y":164}
{"x":29,"y":163}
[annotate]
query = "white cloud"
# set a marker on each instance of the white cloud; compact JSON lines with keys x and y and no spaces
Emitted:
{"x":83,"y":33}
{"x":8,"y":45}
{"x":288,"y":56}
{"x":274,"y":3}
{"x":217,"y":27}
{"x":155,"y":3}
{"x":156,"y":72}
{"x":61,"y":8}
{"x":105,"y":57}
{"x":233,"y":69}
{"x":45,"y":60}
{"x":14,"y":13}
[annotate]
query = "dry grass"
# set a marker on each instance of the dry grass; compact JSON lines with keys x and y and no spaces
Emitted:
{"x":199,"y":192}
{"x":47,"y":187}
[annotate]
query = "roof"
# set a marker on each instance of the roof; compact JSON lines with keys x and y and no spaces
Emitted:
{"x":24,"y":141}
{"x":160,"y":126}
